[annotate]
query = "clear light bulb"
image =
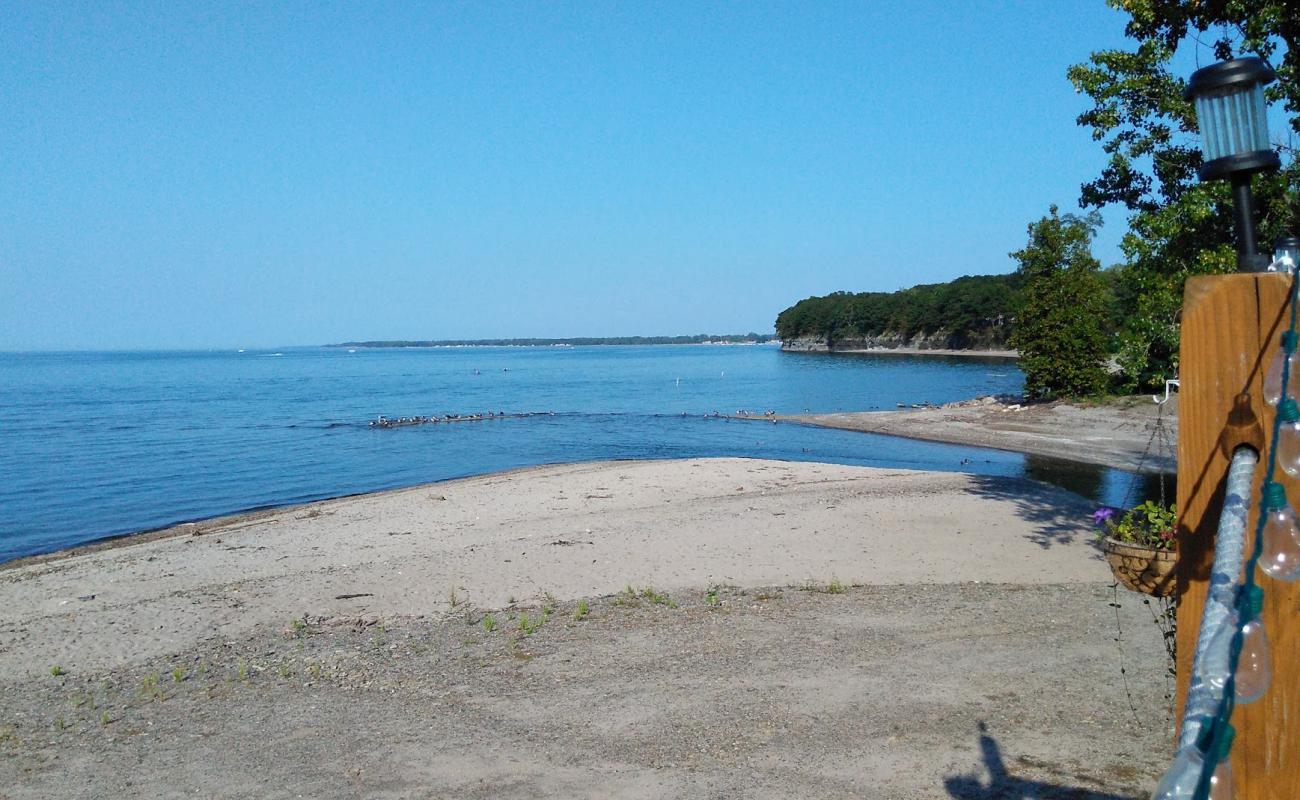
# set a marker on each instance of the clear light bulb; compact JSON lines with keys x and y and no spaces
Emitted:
{"x":1273,"y":378}
{"x":1281,"y":556}
{"x":1179,"y":781}
{"x":1288,"y":438}
{"x":1288,"y":448}
{"x":1254,"y":665}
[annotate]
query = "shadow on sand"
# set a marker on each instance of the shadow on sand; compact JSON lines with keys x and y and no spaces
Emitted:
{"x":1058,"y":516}
{"x":1002,"y":785}
{"x":1054,"y":496}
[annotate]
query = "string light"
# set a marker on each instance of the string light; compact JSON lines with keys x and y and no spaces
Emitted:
{"x":1288,"y":440}
{"x":1285,"y":358}
{"x":1183,"y":777}
{"x":1254,"y":667}
{"x":1280,"y":559}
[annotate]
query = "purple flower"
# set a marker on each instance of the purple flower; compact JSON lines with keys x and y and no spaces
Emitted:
{"x":1103,"y":515}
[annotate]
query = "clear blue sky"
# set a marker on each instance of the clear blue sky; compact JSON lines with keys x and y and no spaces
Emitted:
{"x":221,"y":175}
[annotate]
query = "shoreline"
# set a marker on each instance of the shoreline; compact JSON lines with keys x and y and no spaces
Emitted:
{"x":971,"y":423}
{"x":1010,"y":355}
{"x":238,"y":519}
{"x":1115,"y":435}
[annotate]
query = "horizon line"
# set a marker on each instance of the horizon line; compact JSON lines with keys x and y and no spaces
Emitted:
{"x":237,"y":348}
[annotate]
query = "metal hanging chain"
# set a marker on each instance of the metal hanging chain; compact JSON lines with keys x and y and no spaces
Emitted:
{"x":1159,"y":439}
{"x":1165,"y":448}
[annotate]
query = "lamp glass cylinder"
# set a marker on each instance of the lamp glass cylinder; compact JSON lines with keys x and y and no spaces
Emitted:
{"x":1233,"y":121}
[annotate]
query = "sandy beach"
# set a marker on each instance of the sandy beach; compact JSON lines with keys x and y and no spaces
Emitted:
{"x":703,"y":628}
{"x":1115,"y":434}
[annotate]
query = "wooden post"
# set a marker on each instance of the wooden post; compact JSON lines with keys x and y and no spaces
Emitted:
{"x":1232,"y":325}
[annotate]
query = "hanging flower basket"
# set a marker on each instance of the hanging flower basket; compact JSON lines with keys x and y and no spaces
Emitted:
{"x":1148,"y":570}
{"x":1138,"y":544}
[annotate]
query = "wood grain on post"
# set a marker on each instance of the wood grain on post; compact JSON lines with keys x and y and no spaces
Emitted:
{"x":1232,"y":325}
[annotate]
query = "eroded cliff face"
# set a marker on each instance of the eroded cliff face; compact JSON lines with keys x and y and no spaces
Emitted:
{"x":991,"y":339}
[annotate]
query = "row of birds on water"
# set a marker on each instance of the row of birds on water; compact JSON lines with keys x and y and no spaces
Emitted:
{"x":398,"y":422}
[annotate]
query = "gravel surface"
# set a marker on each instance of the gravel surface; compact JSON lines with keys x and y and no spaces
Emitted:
{"x":958,"y":690}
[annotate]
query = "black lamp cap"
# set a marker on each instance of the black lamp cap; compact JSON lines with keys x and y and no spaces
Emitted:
{"x":1227,"y":73}
{"x":1240,"y":164}
{"x":1286,"y":243}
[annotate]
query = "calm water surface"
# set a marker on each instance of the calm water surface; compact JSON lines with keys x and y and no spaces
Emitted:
{"x":98,"y":444}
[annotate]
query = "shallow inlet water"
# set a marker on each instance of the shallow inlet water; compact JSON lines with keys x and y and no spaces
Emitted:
{"x":100,"y":444}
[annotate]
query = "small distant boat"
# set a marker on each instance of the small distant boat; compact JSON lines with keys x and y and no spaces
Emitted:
{"x":353,"y":350}
{"x":241,"y":349}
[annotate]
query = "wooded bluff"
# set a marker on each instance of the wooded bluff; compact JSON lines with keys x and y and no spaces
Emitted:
{"x":971,"y":312}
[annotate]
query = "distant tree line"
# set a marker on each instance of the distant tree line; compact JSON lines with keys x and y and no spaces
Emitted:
{"x":966,"y":311}
{"x":699,"y":338}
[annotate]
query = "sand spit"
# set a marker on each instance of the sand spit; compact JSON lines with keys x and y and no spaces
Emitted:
{"x":1114,"y":434}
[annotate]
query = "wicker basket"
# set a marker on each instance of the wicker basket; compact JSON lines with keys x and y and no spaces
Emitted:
{"x":1142,"y":569}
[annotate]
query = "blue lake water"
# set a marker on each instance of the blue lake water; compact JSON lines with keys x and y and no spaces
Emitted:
{"x":100,"y":444}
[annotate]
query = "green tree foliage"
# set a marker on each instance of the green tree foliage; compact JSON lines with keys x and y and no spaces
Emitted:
{"x":971,"y":310}
{"x":1179,"y":227}
{"x":1059,"y":330}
